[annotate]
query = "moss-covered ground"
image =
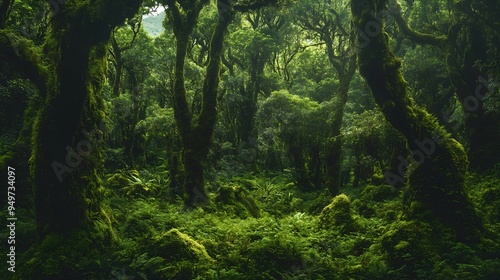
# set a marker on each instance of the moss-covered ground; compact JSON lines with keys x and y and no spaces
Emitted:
{"x":261,"y":226}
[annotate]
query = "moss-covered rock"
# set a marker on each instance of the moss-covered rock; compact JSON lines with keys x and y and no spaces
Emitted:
{"x":240,"y":199}
{"x":338,"y":214}
{"x":174,"y":245}
{"x":172,"y":255}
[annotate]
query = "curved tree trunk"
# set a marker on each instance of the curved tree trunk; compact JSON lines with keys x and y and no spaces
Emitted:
{"x":437,"y":173}
{"x":24,"y":60}
{"x":471,"y":83}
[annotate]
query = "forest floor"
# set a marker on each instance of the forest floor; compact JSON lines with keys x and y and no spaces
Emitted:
{"x":261,"y":226}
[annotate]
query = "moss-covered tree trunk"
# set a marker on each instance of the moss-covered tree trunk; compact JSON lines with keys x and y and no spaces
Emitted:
{"x":330,"y":28}
{"x":184,"y":22}
{"x":465,"y":48}
{"x":333,"y":153}
{"x":21,"y":59}
{"x":247,"y":130}
{"x":302,"y":173}
{"x":437,"y":173}
{"x":472,"y":88}
{"x":118,"y":63}
{"x":67,"y":133}
{"x":196,"y":134}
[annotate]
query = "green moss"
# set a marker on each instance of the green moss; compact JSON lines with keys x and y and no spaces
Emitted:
{"x":174,"y":245}
{"x":240,"y":199}
{"x":338,"y":214}
{"x":172,"y":255}
{"x":407,"y":245}
{"x":436,"y":181}
{"x":69,"y":256}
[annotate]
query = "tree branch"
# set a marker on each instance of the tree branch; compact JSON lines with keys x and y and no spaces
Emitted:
{"x":254,"y":5}
{"x":24,"y":58}
{"x":417,"y":37}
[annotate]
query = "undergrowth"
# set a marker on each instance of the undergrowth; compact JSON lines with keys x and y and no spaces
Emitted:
{"x":299,"y":235}
{"x":261,"y":226}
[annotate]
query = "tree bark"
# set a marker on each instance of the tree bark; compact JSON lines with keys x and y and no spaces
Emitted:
{"x":67,"y":136}
{"x":471,"y":85}
{"x":5,"y":9}
{"x":118,"y":60}
{"x":436,"y":179}
{"x":196,"y":134}
{"x":334,"y":145}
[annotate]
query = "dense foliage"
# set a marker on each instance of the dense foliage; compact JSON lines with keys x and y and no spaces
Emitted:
{"x":250,"y":139}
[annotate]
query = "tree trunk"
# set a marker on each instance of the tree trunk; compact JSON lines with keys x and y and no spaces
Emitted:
{"x":334,"y":144}
{"x":437,"y":173}
{"x":251,"y":94}
{"x":471,"y":86}
{"x":302,"y":175}
{"x":67,"y":135}
{"x":5,"y":9}
{"x":470,"y":83}
{"x":118,"y":78}
{"x":118,"y":62}
{"x":196,"y":136}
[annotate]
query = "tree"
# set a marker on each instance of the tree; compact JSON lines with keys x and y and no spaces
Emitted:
{"x":250,"y":49}
{"x":68,"y":129}
{"x":132,"y":63}
{"x":5,"y":9}
{"x":116,"y":51}
{"x":67,"y":135}
{"x":196,"y":133}
{"x":469,"y":71}
{"x":436,"y":177}
{"x":328,"y":24}
{"x":296,"y":123}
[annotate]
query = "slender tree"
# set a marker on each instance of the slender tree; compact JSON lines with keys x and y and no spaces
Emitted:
{"x":117,"y":52}
{"x":329,"y":26}
{"x":196,"y":133}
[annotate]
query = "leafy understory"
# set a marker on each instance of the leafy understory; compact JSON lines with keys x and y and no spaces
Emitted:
{"x":356,"y":236}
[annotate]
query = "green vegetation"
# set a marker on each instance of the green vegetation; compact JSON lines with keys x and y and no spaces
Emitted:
{"x":250,"y":139}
